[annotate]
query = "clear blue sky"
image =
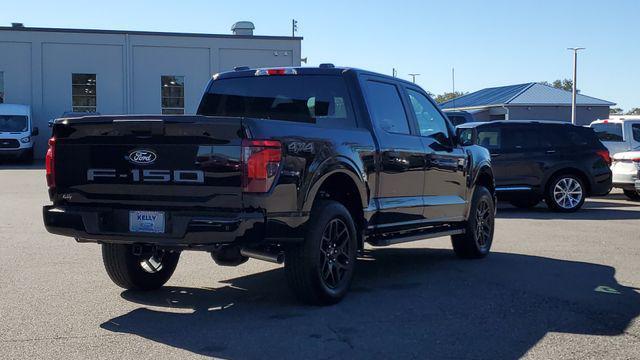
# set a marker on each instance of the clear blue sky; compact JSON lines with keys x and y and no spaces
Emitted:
{"x":490,"y":43}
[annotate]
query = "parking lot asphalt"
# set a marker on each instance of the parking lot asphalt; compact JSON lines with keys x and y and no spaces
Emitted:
{"x":561,"y":286}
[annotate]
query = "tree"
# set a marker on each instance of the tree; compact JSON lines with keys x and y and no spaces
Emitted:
{"x":448,"y":96}
{"x":634,"y":111}
{"x":564,"y":84}
{"x":616,"y":111}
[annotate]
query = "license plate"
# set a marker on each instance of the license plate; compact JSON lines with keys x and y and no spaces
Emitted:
{"x":146,"y":221}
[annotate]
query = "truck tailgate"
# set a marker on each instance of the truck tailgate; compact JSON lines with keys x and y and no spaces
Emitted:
{"x":181,"y":161}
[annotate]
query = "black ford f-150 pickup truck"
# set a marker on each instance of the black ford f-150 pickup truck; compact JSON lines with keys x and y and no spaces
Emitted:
{"x":295,"y":165}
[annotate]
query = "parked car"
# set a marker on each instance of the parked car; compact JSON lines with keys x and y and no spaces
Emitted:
{"x":301,"y":165}
{"x":618,"y":135}
{"x":532,"y":161}
{"x":626,"y":173}
{"x":17,"y":132}
{"x":459,"y":117}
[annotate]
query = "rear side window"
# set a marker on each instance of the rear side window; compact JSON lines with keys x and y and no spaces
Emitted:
{"x":317,"y":99}
{"x":386,"y":107}
{"x":556,"y":136}
{"x":608,"y":131}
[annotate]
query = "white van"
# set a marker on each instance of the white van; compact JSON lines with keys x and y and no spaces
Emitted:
{"x":618,"y":135}
{"x":16,"y":131}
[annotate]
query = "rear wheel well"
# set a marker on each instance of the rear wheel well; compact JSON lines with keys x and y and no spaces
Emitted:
{"x":341,"y":188}
{"x":569,"y":171}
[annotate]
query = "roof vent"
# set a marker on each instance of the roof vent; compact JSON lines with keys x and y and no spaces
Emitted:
{"x":17,"y":25}
{"x":243,"y":28}
{"x":326,"y":66}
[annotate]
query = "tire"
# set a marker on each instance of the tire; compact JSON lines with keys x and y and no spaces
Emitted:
{"x":563,"y":196}
{"x":632,"y":194}
{"x":525,"y":202}
{"x":320,"y":270}
{"x":476,"y":242}
{"x":128,"y":271}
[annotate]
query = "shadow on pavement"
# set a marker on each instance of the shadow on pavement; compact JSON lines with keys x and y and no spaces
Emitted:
{"x":592,"y":210}
{"x":10,"y":164}
{"x":417,"y":303}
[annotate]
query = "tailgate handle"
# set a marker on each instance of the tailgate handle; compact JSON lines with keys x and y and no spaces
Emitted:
{"x":140,"y":127}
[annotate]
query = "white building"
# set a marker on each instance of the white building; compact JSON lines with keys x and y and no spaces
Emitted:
{"x":120,"y":72}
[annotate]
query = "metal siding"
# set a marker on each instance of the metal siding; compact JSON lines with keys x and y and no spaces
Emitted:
{"x":584,"y":116}
{"x":151,"y":62}
{"x":38,"y":64}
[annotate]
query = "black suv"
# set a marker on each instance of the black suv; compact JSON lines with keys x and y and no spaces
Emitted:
{"x":558,"y":162}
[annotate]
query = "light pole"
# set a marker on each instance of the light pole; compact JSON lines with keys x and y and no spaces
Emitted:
{"x":573,"y":93}
{"x":413,"y":77}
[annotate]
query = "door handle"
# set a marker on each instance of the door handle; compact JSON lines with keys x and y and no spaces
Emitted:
{"x":550,"y":151}
{"x":495,"y":154}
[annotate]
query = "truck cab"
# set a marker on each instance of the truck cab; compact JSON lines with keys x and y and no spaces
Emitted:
{"x":17,"y":132}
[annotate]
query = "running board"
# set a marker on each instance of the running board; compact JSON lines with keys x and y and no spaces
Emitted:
{"x":391,"y":240}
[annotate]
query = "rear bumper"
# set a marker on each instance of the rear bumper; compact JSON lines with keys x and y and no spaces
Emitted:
{"x":185,"y":229}
{"x":626,"y":181}
{"x":601,"y":184}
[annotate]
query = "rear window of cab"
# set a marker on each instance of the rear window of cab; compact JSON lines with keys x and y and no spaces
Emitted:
{"x":319,"y":99}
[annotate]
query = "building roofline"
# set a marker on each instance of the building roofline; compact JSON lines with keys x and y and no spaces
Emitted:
{"x":147,"y":33}
{"x":520,"y":92}
{"x":486,"y":107}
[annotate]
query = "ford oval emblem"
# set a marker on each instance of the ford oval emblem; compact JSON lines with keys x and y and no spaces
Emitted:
{"x":142,"y":157}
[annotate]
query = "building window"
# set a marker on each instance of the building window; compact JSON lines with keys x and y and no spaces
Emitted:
{"x":83,"y":95}
{"x":1,"y":87}
{"x":172,"y":94}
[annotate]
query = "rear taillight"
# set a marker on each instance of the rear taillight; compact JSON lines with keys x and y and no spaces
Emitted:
{"x":604,"y":154}
{"x":260,"y":163}
{"x":50,"y":163}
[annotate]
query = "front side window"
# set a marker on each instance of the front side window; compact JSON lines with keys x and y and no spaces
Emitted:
{"x":83,"y":92}
{"x":386,"y":107}
{"x":430,"y":122}
{"x":172,"y":94}
{"x":489,"y":138}
{"x":1,"y":87}
{"x":608,"y":131}
{"x":635,"y":129}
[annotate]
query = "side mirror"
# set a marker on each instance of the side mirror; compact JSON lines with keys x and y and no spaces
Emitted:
{"x":464,"y":137}
{"x":35,"y":131}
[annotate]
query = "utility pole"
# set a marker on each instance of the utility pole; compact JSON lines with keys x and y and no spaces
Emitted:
{"x":573,"y":93}
{"x":394,"y":73}
{"x":294,"y":27}
{"x":413,"y":77}
{"x":453,"y":85}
